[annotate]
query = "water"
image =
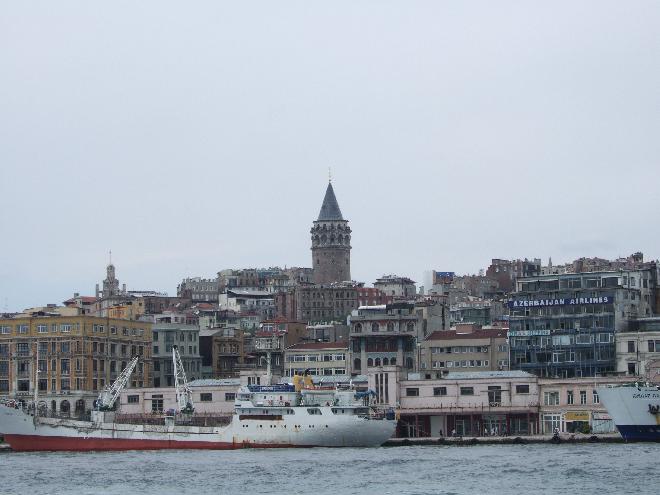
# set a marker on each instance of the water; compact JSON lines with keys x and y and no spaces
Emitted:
{"x":489,"y":469}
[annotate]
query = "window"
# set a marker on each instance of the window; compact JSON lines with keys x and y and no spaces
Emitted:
{"x":5,"y":330}
{"x":631,"y":346}
{"x":412,"y":392}
{"x":133,"y":399}
{"x":654,"y":345}
{"x":467,"y":390}
{"x":229,"y":396}
{"x":22,"y":329}
{"x":157,"y":403}
{"x":551,"y":398}
{"x":583,"y":397}
{"x":569,"y":397}
{"x":206,"y":397}
{"x":65,"y":328}
{"x":551,"y":422}
{"x":595,"y":397}
{"x":439,"y":391}
{"x":42,"y":328}
{"x":374,"y":327}
{"x":522,"y":389}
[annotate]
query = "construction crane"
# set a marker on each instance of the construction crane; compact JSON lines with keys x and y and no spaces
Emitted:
{"x":184,"y":398}
{"x":109,"y":394}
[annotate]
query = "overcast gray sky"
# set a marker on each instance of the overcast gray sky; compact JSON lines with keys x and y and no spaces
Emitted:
{"x":194,"y":136}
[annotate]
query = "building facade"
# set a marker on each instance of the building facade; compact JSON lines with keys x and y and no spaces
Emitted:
{"x":317,"y":358}
{"x":468,"y":347}
{"x":75,"y":358}
{"x":572,"y":405}
{"x":186,"y":339}
{"x":331,"y":243}
{"x":326,"y":303}
{"x":564,"y":325}
{"x":638,"y":349}
{"x":401,"y":288}
{"x":470,"y":404}
{"x":385,"y":335}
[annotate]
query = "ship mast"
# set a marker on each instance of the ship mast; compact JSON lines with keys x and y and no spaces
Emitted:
{"x":184,"y":398}
{"x":36,"y":381}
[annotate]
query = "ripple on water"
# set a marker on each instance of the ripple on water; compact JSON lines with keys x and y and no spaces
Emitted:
{"x":500,"y":469}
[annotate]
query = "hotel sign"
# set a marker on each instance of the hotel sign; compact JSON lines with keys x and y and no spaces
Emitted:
{"x":562,"y":301}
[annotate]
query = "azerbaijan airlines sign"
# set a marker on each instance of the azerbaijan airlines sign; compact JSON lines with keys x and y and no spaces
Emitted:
{"x":563,"y":301}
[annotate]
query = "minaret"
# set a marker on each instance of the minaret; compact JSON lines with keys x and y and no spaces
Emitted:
{"x":331,"y":242}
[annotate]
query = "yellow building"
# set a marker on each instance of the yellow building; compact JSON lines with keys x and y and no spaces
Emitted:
{"x":76,"y":356}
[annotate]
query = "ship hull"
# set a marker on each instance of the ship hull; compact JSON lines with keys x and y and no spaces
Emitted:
{"x":631,"y":409}
{"x":23,"y":433}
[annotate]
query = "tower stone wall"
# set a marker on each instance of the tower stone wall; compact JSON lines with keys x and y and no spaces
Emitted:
{"x":331,"y":243}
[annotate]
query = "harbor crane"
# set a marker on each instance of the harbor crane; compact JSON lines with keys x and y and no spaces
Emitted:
{"x":184,"y":398}
{"x":108,"y":396}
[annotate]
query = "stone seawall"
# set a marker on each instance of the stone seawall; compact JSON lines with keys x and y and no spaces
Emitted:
{"x":467,"y":441}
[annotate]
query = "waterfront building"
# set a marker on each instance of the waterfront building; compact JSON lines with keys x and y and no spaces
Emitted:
{"x":167,"y":334}
{"x":328,"y":332}
{"x":638,"y":349}
{"x":572,"y":405}
{"x":228,"y":352}
{"x":77,"y":357}
{"x":467,"y":403}
{"x":385,"y":335}
{"x":469,"y":347}
{"x":564,"y":325}
{"x":272,"y":338}
{"x":506,"y":272}
{"x":371,"y":296}
{"x":242,"y":300}
{"x":326,"y":303}
{"x":317,"y":358}
{"x":211,"y":398}
{"x":84,"y":304}
{"x":472,"y":310}
{"x":401,"y":288}
{"x":331,"y":243}
{"x":197,"y":289}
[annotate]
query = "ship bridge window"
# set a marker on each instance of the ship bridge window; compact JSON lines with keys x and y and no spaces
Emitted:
{"x":314,"y":411}
{"x":336,"y":410}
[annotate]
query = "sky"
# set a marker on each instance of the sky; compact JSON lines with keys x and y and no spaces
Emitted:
{"x":189,"y":137}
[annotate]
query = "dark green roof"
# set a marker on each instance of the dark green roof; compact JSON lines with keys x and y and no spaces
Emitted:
{"x":330,"y":208}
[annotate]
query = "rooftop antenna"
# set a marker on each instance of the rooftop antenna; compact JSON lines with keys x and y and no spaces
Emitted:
{"x":329,"y":174}
{"x":110,"y":253}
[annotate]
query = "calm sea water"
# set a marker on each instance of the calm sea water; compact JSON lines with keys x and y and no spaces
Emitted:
{"x":505,"y":469}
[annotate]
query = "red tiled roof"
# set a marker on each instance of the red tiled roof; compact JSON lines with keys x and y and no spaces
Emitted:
{"x":484,"y":333}
{"x":318,"y":345}
{"x":83,"y":299}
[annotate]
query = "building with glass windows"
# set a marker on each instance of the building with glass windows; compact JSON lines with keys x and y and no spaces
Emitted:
{"x":564,"y":325}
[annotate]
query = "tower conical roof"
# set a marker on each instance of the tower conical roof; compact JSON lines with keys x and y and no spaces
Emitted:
{"x":330,"y":208}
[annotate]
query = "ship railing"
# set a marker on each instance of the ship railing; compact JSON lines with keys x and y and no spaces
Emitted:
{"x":158,"y":419}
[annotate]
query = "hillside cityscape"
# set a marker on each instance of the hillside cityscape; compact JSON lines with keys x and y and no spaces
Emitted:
{"x":517,"y":349}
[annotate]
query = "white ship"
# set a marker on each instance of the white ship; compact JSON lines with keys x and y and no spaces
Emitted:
{"x":635,"y":409}
{"x":264,"y":416}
